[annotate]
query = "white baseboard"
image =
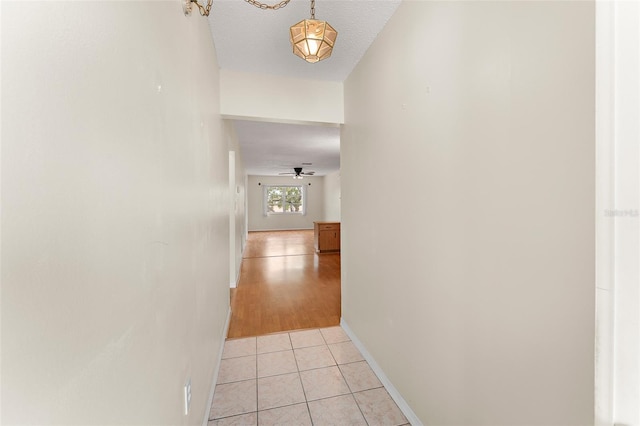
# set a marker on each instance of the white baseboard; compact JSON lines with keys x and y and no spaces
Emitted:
{"x":402,"y":404}
{"x":234,"y":284}
{"x":217,"y":370}
{"x":280,"y":229}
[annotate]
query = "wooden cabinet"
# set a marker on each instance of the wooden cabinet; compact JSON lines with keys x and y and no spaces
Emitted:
{"x":326,"y":236}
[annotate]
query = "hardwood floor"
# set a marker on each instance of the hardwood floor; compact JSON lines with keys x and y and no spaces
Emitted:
{"x":284,"y":285}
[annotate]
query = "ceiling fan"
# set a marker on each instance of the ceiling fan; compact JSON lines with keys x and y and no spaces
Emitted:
{"x":298,"y":173}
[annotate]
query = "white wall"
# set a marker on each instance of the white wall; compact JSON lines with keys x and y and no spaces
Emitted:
{"x":605,"y":196}
{"x":277,"y":99}
{"x":237,"y":212}
{"x":618,"y":196}
{"x":332,"y":197}
{"x":115,"y":246}
{"x":469,"y":273}
{"x":315,"y":203}
{"x":627,"y":228}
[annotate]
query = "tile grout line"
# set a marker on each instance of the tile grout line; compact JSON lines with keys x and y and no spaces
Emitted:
{"x":299,"y":373}
{"x":345,"y":381}
{"x":304,"y":393}
{"x":306,"y":401}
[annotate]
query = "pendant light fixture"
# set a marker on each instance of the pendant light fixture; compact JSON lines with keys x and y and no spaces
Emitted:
{"x":312,"y":40}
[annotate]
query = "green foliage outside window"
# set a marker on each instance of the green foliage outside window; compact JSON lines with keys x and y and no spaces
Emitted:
{"x":284,"y":199}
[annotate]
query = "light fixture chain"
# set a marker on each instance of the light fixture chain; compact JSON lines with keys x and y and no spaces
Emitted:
{"x":263,"y":6}
{"x":204,"y":11}
{"x":313,"y":9}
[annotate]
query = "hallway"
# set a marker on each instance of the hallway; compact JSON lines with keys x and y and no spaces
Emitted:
{"x":284,"y":286}
{"x":489,"y":186}
{"x":312,"y":377}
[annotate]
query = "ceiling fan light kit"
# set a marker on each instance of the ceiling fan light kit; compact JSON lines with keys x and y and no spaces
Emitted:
{"x":298,"y":173}
{"x":311,"y":39}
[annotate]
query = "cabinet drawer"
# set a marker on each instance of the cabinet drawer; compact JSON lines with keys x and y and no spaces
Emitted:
{"x":329,"y":227}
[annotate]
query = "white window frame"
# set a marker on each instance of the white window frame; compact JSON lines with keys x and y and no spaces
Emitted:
{"x":265,"y":207}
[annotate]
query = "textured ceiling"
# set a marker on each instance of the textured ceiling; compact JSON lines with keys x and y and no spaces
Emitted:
{"x":253,"y":40}
{"x":272,"y":148}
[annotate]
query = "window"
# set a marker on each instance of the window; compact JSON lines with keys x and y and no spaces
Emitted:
{"x":284,"y":199}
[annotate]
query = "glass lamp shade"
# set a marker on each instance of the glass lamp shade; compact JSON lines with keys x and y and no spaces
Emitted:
{"x":312,"y":40}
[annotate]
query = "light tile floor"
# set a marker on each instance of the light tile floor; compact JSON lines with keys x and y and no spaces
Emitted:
{"x":312,"y":377}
